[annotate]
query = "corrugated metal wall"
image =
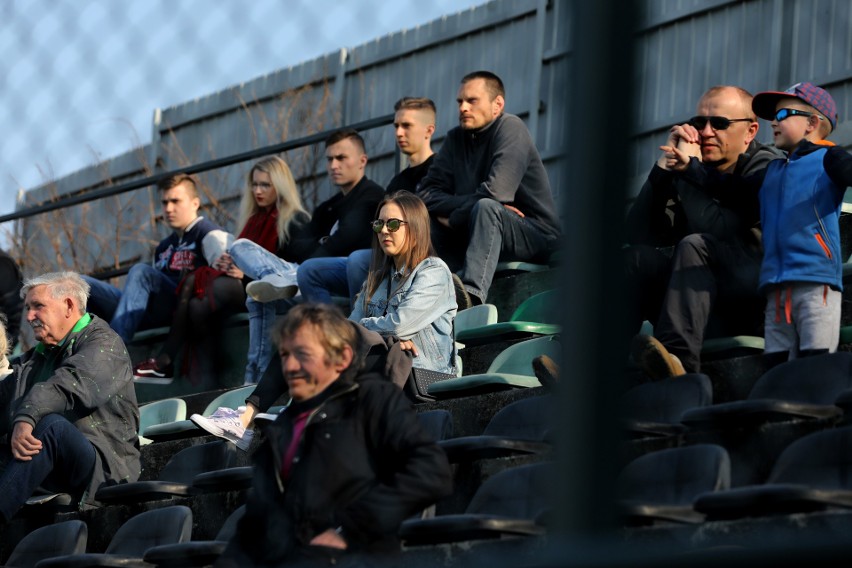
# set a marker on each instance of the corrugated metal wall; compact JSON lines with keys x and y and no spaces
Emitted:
{"x":685,"y":47}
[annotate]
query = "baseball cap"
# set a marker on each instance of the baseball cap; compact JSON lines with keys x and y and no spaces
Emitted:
{"x":764,"y":103}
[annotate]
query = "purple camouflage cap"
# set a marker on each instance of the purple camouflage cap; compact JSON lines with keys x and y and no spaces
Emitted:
{"x":764,"y":103}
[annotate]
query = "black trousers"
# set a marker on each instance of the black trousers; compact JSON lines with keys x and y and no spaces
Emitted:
{"x":703,"y":276}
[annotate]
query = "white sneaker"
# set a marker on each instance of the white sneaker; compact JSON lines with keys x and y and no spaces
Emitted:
{"x":225,"y":423}
{"x":270,"y":288}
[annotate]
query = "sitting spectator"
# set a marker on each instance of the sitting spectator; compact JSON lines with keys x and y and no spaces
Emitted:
{"x":149,"y":297}
{"x":713,"y":222}
{"x":69,"y":407}
{"x":414,"y":124}
{"x":802,"y":271}
{"x":339,"y":225}
{"x":344,"y":464}
{"x":487,"y":190}
{"x":409,"y":292}
{"x":271,"y":219}
{"x":11,"y":305}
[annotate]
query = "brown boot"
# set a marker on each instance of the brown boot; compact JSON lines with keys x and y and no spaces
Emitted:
{"x":653,"y":358}
{"x":546,"y":371}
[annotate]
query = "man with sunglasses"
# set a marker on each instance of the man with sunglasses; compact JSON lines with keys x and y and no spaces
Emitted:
{"x":712,"y":221}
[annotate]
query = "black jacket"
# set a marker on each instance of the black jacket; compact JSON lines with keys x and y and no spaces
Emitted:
{"x":363,"y":465}
{"x":670,"y":207}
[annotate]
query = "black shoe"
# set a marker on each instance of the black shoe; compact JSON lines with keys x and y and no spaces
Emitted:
{"x":463,"y":299}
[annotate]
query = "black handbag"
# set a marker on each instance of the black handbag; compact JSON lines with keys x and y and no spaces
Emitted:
{"x":417,"y":386}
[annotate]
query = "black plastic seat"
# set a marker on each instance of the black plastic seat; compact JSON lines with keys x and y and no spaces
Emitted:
{"x":811,"y":474}
{"x":176,"y":477}
{"x":661,"y":486}
{"x":507,"y":504}
{"x":50,"y":541}
{"x":656,"y":408}
{"x":152,"y":528}
{"x":522,"y":427}
{"x":195,"y":553}
{"x":799,"y":389}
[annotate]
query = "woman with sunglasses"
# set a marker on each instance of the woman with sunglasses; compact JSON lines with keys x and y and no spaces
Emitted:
{"x":409,"y":291}
{"x":271,"y":221}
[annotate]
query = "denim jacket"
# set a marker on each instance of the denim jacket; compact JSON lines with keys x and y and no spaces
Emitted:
{"x":422,"y":308}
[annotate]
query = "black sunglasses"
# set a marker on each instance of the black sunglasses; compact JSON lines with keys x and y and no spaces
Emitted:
{"x":716,"y":122}
{"x":785,"y":113}
{"x":393,"y":225}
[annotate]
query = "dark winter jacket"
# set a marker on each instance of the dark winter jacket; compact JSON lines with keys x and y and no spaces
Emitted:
{"x":91,"y":385}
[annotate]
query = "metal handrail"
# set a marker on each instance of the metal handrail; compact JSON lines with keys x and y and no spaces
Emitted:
{"x":62,"y":202}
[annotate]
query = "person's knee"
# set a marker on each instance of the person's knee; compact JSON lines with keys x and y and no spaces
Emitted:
{"x":140,"y":273}
{"x":241,"y":244}
{"x":487,"y":207}
{"x":307,"y":272}
{"x":50,"y":423}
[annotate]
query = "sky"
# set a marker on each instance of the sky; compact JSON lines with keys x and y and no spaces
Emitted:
{"x":81,"y":78}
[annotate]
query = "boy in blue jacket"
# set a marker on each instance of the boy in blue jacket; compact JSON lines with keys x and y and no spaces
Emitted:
{"x":800,"y":201}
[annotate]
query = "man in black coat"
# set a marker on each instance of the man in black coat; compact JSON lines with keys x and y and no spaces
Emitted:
{"x":344,"y":464}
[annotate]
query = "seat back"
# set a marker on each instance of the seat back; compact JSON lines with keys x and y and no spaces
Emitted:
{"x":231,"y":399}
{"x":523,"y":492}
{"x":169,"y":525}
{"x":517,"y":359}
{"x":189,"y":462}
{"x":229,"y":527}
{"x":815,"y":380}
{"x":821,"y":460}
{"x":160,"y":412}
{"x":528,"y":419}
{"x":60,"y":539}
{"x":475,"y":316}
{"x":438,"y":424}
{"x":675,"y":476}
{"x":538,"y":308}
{"x":665,"y":401}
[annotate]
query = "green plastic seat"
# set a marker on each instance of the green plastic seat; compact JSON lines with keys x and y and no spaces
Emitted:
{"x":511,"y":369}
{"x":535,"y":316}
{"x":160,"y":412}
{"x":727,"y":347}
{"x":186,"y":428}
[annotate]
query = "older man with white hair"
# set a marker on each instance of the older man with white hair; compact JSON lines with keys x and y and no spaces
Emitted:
{"x":69,"y":409}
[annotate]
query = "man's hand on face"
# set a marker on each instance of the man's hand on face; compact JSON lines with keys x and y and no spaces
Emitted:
{"x":329,"y":538}
{"x":24,"y":444}
{"x":676,"y":159}
{"x":682,"y":136}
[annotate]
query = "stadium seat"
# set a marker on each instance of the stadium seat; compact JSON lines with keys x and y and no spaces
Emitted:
{"x":512,"y":368}
{"x":475,"y":317}
{"x":176,"y":477}
{"x":655,"y":408}
{"x":507,"y":504}
{"x":151,"y":528}
{"x":60,"y":539}
{"x":535,"y":316}
{"x":811,"y":474}
{"x":438,"y":424}
{"x":798,"y":389}
{"x":522,"y":427}
{"x":195,"y":553}
{"x":160,"y":412}
{"x":661,"y":486}
{"x":186,"y":428}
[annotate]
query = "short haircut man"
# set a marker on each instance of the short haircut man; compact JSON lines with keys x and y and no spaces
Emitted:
{"x":148,"y":299}
{"x":69,"y":407}
{"x":487,"y":191}
{"x":345,"y":463}
{"x":712,"y":221}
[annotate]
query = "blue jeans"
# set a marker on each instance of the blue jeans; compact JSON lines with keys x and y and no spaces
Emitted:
{"x":64,"y":464}
{"x":322,"y":278}
{"x":257,"y":262}
{"x":497,"y":233}
{"x":148,"y":300}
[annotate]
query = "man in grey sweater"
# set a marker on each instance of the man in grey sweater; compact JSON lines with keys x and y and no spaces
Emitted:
{"x":487,"y":190}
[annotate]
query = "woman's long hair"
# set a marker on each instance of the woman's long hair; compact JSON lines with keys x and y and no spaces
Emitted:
{"x":287,"y":201}
{"x":416,"y":247}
